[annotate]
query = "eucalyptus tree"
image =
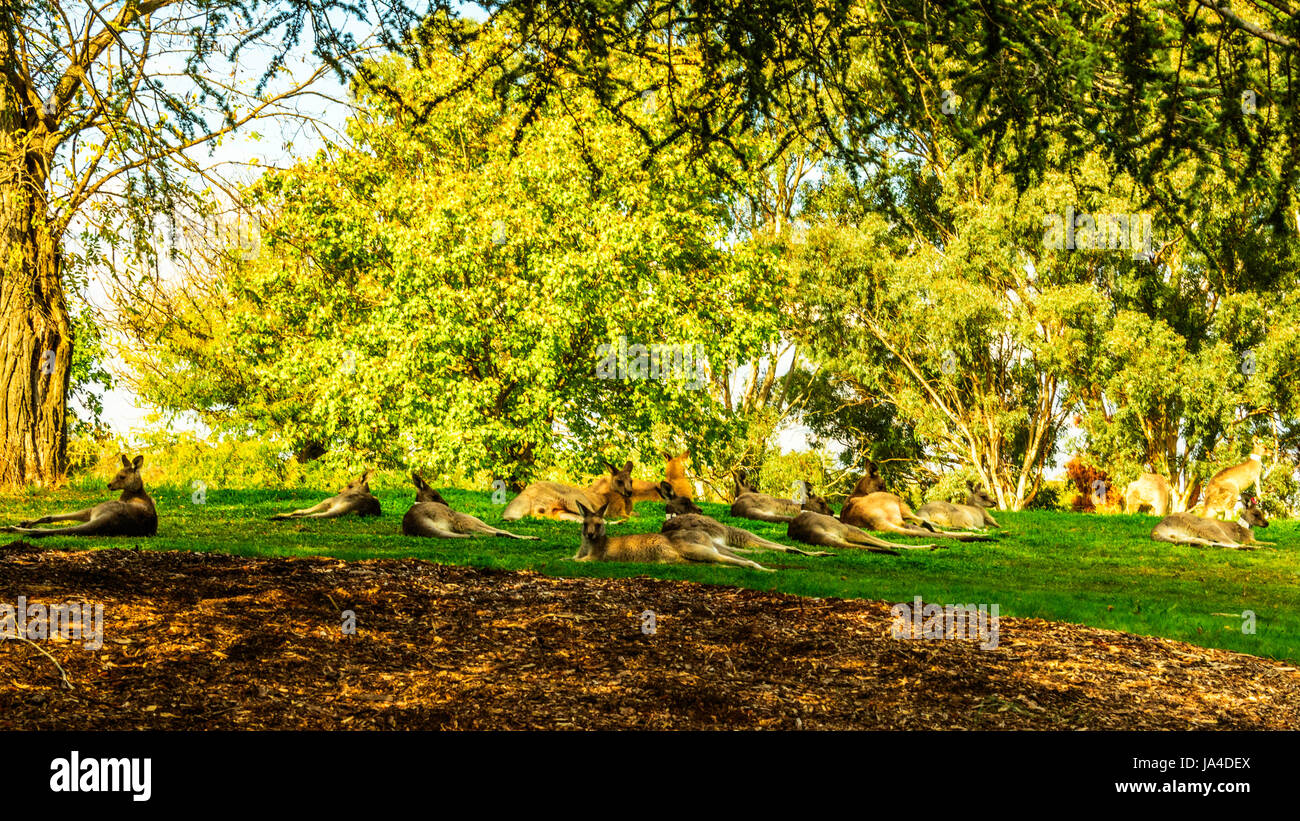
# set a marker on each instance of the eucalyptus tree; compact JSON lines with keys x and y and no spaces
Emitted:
{"x":105,"y":108}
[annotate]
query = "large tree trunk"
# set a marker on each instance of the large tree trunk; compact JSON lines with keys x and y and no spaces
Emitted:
{"x":35,"y":329}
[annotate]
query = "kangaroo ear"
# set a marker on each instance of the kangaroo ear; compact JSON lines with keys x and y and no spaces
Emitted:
{"x":610,"y":467}
{"x":665,"y":490}
{"x":126,"y":463}
{"x":583,"y":510}
{"x":137,"y":462}
{"x":417,"y":481}
{"x":603,"y":508}
{"x":628,"y":467}
{"x":970,"y":485}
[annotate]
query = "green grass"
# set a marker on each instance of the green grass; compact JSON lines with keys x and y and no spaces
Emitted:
{"x":1090,"y":569}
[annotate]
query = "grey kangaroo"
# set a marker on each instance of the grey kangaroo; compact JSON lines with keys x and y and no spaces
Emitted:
{"x":681,"y":547}
{"x":132,"y":514}
{"x":432,"y":516}
{"x":355,"y":497}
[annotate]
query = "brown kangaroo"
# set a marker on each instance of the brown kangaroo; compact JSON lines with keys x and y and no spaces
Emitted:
{"x":633,"y":490}
{"x":132,"y":514}
{"x":750,"y":504}
{"x":432,"y":516}
{"x":1188,"y":528}
{"x":683,"y":546}
{"x":1227,"y":486}
{"x":871,"y":483}
{"x":720,"y":535}
{"x":354,"y":497}
{"x":886,"y":512}
{"x":819,"y":529}
{"x":675,"y":474}
{"x":675,"y":505}
{"x":553,"y":500}
{"x":1148,"y":490}
{"x":973,"y":515}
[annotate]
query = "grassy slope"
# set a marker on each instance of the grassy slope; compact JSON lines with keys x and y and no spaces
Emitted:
{"x":1098,"y":570}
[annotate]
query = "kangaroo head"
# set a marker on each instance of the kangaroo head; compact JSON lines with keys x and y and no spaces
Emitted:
{"x":593,"y":522}
{"x":814,"y":502}
{"x":675,"y":505}
{"x":979,"y":497}
{"x":128,"y":478}
{"x":620,"y":480}
{"x":1259,"y":451}
{"x":361,"y":484}
{"x":424,"y":493}
{"x":1252,"y":515}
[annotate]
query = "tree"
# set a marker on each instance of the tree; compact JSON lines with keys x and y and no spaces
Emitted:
{"x":101,"y":109}
{"x":450,"y":293}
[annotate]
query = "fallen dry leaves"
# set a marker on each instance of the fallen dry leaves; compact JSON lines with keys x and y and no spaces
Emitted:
{"x":206,"y":641}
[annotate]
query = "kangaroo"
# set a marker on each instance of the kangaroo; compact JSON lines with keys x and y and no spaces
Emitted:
{"x":886,"y":512}
{"x":871,"y":483}
{"x":132,"y":514}
{"x":553,"y":500}
{"x":973,"y":515}
{"x":1148,"y":490}
{"x":819,"y":529}
{"x":354,"y":497}
{"x":675,"y":474}
{"x":750,"y":504}
{"x":1226,"y":486}
{"x":675,"y":505}
{"x":683,"y":546}
{"x":720,"y":535}
{"x":632,"y":490}
{"x":1188,"y":528}
{"x":432,"y":516}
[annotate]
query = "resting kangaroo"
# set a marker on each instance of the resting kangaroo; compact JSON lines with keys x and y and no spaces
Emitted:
{"x":871,"y":483}
{"x":675,"y":505}
{"x":132,"y":514}
{"x":675,"y":474}
{"x":750,"y":504}
{"x":1188,"y":528}
{"x":553,"y":500}
{"x":886,"y":512}
{"x":820,"y":529}
{"x":689,"y":545}
{"x":720,"y":535}
{"x":432,"y":516}
{"x":355,"y":497}
{"x":973,"y":515}
{"x":1227,"y":486}
{"x":633,"y":490}
{"x":1148,"y":490}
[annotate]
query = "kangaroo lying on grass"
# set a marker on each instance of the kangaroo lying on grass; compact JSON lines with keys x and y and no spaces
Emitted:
{"x":132,"y":514}
{"x":1148,"y":490}
{"x":887,"y":513}
{"x":675,"y":505}
{"x":973,"y":515}
{"x":820,"y":529}
{"x":553,"y":500}
{"x":1188,"y":528}
{"x":721,"y":536}
{"x":355,"y":497}
{"x":690,"y":545}
{"x":751,"y":504}
{"x":432,"y":516}
{"x":1228,"y":485}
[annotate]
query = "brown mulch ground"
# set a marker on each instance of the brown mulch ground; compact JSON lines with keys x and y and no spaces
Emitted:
{"x":203,"y":641}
